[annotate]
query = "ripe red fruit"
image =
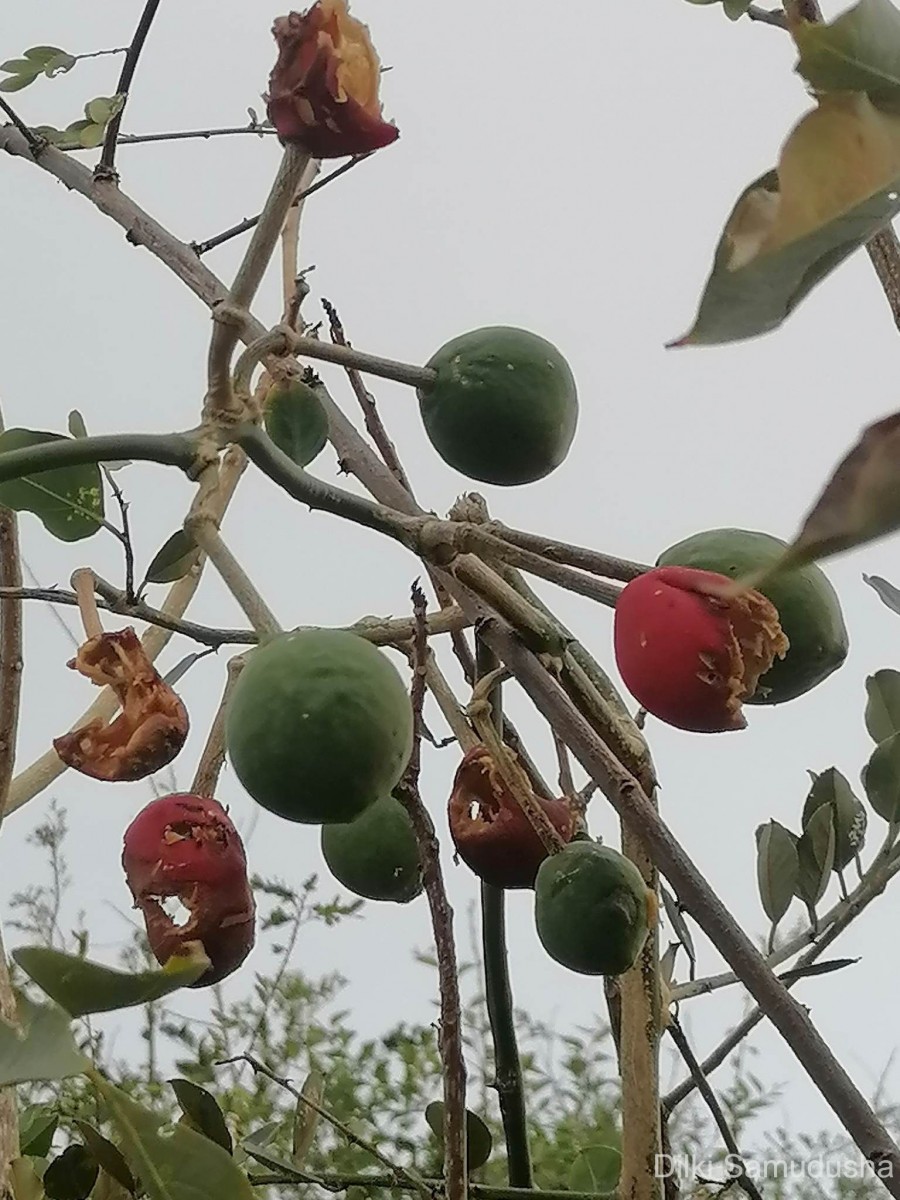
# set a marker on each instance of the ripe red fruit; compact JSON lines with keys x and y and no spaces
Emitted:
{"x":492,"y":834}
{"x":186,"y":847}
{"x":689,"y":653}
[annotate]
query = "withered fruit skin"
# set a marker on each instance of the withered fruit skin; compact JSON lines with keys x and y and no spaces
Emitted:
{"x":377,"y":855}
{"x":591,"y":909}
{"x":809,"y":610}
{"x":319,"y":726}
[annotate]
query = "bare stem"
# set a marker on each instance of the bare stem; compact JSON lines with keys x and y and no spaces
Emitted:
{"x":212,"y":759}
{"x":450,"y":1035}
{"x":235,"y":578}
{"x":106,"y":167}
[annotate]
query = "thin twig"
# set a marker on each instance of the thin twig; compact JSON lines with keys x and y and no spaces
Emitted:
{"x":212,"y":758}
{"x":106,"y":168}
{"x":372,"y":1182}
{"x":410,"y":1176}
{"x":677,"y":1035}
{"x":10,"y":695}
{"x":371,"y":416}
{"x":767,"y":17}
{"x":249,"y":223}
{"x":36,"y":143}
{"x":450,"y":1034}
{"x":585,"y":559}
{"x":127,"y":545}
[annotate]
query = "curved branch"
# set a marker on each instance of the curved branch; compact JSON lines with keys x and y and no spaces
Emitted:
{"x":169,"y":449}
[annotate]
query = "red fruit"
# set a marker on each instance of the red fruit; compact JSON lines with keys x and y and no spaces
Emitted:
{"x":690,"y":653}
{"x":492,"y":834}
{"x":323,"y":90}
{"x":148,"y":732}
{"x":186,"y":847}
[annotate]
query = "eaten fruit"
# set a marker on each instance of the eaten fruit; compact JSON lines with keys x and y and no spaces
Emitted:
{"x":149,"y":731}
{"x":592,"y":909}
{"x":808,"y":607}
{"x":185,"y":847}
{"x":319,"y":726}
{"x":377,"y":855}
{"x":690,"y":653}
{"x":491,"y":833}
{"x":503,"y":408}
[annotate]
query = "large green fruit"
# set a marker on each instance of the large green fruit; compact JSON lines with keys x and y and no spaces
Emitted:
{"x":591,"y":909}
{"x":376,"y":856}
{"x":319,"y":726}
{"x":504,"y":406}
{"x":808,"y":606}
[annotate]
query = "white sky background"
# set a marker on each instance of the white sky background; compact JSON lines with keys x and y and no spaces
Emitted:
{"x":569,"y":173}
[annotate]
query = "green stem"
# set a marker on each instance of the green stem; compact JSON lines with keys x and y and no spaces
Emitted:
{"x":480,"y":1191}
{"x":169,"y":449}
{"x":498,"y":993}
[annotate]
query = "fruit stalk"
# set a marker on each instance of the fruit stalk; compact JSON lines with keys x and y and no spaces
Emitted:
{"x":498,"y":991}
{"x":213,"y":756}
{"x":220,"y":399}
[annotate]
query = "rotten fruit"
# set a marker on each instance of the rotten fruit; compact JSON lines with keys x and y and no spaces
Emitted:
{"x":319,"y":726}
{"x":689,"y":652}
{"x":184,"y":847}
{"x":503,"y":408}
{"x":809,"y":611}
{"x":376,"y":856}
{"x":491,"y":833}
{"x":592,"y":909}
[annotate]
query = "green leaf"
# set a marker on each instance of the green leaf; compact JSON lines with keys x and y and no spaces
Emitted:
{"x":883,"y":704}
{"x":183,"y":1165}
{"x":91,"y":136}
{"x":108,"y":1155}
{"x":67,"y":500}
{"x":59,"y":65}
{"x":71,"y":1175}
{"x":98,"y":111}
{"x":37,"y":1125}
{"x":680,"y":926}
{"x":848,"y":816}
{"x":174,"y":559}
{"x":202,"y":1110}
{"x":815,"y":853}
{"x":296,"y":421}
{"x":479,"y":1142}
{"x":76,"y":425}
{"x":793,"y":226}
{"x":886,"y":592}
{"x":43,"y":54}
{"x":595,"y":1169}
{"x":777,"y":869}
{"x":81,"y":986}
{"x":857,"y":52}
{"x":306,"y":1119}
{"x":735,"y":9}
{"x":15,"y":83}
{"x":18,"y":66}
{"x":881,"y":779}
{"x":41,"y":1049}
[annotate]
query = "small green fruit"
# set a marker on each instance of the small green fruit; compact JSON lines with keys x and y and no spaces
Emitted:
{"x":591,"y":909}
{"x":808,"y":607}
{"x":319,"y":726}
{"x":503,"y":408}
{"x":376,"y":856}
{"x":295,"y":420}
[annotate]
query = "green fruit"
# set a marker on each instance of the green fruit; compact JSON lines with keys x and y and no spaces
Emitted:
{"x":503,"y":408}
{"x":296,"y":420}
{"x":808,"y":606}
{"x":377,"y":855}
{"x":591,"y":909}
{"x":319,"y":726}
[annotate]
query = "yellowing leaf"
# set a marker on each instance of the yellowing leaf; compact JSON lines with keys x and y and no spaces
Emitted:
{"x":836,"y":185}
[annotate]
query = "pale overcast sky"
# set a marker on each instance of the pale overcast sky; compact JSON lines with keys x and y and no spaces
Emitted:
{"x":569,"y":173}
